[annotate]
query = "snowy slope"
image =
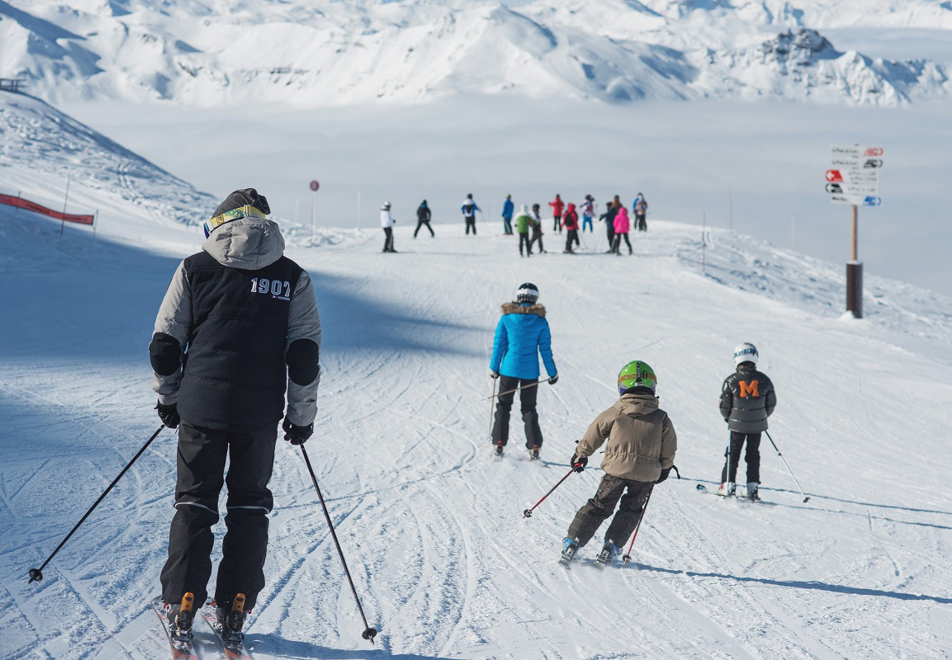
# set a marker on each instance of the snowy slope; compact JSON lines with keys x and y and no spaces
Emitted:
{"x":309,"y":54}
{"x":432,"y":527}
{"x":42,"y":149}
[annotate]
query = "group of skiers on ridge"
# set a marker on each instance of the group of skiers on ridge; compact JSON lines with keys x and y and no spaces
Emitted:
{"x":246,"y":317}
{"x":528,"y":224}
{"x":639,"y":438}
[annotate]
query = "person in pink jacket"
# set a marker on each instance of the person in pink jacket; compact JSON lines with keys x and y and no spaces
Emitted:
{"x":622,"y":226}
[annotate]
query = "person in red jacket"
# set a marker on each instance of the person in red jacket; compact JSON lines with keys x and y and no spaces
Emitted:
{"x":570,"y":222}
{"x":557,"y":207}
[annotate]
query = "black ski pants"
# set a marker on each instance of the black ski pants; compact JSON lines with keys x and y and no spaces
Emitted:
{"x":388,"y":240}
{"x":641,"y":221}
{"x":611,"y":237}
{"x":536,"y":236}
{"x":471,"y":223}
{"x":524,"y":240}
{"x":571,"y":237}
{"x":752,"y":457}
{"x":530,"y":418}
{"x":594,"y":512}
{"x":616,"y":246}
{"x":422,"y":223}
{"x":507,"y":226}
{"x":557,"y":223}
{"x":201,"y":467}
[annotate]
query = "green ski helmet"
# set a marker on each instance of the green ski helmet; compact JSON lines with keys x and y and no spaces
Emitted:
{"x":637,"y":374}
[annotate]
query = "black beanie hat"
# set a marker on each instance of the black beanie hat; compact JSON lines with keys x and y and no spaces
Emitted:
{"x":243,"y":197}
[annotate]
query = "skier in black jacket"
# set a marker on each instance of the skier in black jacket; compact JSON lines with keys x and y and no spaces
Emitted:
{"x":747,"y":400}
{"x":423,"y":218}
{"x":247,"y":319}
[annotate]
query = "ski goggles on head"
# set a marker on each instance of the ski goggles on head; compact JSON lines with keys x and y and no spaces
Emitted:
{"x":234,"y":214}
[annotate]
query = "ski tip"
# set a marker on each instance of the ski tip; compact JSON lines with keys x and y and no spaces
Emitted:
{"x":701,"y":487}
{"x":806,"y":499}
{"x":36,"y":575}
{"x":369,"y":634}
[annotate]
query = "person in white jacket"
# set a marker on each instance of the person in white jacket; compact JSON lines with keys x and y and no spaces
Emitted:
{"x":386,"y":221}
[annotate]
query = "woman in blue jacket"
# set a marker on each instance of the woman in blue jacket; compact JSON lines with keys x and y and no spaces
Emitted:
{"x":521,"y":336}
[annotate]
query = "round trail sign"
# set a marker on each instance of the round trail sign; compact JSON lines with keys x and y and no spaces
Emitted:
{"x":315,"y":185}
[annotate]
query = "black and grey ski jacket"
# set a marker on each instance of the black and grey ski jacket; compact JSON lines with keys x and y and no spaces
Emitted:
{"x":238,"y":327}
{"x":747,"y":400}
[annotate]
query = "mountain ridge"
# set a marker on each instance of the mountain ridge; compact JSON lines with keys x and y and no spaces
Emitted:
{"x":326,"y":53}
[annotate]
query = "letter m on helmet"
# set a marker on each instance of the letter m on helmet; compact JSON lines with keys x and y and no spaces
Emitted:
{"x":748,"y":389}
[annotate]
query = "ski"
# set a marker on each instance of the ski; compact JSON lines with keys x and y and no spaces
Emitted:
{"x":701,"y":488}
{"x":232,"y":645}
{"x":181,"y":648}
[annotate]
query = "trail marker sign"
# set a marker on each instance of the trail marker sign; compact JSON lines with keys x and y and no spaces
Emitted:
{"x":853,"y":177}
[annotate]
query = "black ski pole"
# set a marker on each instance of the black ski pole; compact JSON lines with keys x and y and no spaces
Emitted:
{"x":528,"y":512}
{"x":369,"y":633}
{"x":627,"y":557}
{"x":36,"y":574}
{"x":805,"y":498}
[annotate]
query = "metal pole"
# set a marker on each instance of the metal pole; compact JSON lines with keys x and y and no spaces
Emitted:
{"x":313,"y":195}
{"x":855,"y":230}
{"x":369,"y":633}
{"x":16,"y":208}
{"x":704,"y":242}
{"x":95,"y":217}
{"x":36,"y":574}
{"x":627,"y":557}
{"x":491,"y":406}
{"x":528,"y":512}
{"x":805,"y":498}
{"x":65,"y":200}
{"x":730,"y":204}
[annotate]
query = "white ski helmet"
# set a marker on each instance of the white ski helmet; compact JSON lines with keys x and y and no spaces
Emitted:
{"x":527,"y":293}
{"x":746,"y":352}
{"x":386,"y":205}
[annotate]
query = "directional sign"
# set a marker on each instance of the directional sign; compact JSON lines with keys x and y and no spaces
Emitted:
{"x":853,"y":177}
{"x":314,"y":185}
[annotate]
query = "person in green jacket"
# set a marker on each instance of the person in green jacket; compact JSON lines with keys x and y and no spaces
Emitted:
{"x":523,"y":225}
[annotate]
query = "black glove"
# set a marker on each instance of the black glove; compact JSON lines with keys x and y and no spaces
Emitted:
{"x":578,"y":463}
{"x":664,"y":475}
{"x":493,"y":374}
{"x":168,"y":414}
{"x":296,"y":435}
{"x":554,"y":379}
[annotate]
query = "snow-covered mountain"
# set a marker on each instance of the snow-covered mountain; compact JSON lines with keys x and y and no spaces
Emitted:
{"x":41,"y":148}
{"x":206,"y":53}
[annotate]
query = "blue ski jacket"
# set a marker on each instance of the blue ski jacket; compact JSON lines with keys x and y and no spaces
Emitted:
{"x":521,"y":336}
{"x":507,"y":208}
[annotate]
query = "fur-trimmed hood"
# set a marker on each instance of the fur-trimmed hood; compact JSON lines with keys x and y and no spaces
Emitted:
{"x":519,"y":308}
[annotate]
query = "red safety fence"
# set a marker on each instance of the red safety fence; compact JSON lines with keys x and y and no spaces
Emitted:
{"x":27,"y":205}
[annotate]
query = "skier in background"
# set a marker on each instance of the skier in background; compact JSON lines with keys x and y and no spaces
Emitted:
{"x":423,"y":219}
{"x":570,"y":222}
{"x":608,"y":217}
{"x":640,"y":449}
{"x":622,"y":226}
{"x":588,"y":212}
{"x":557,"y":207}
{"x":640,"y":207}
{"x":469,"y":210}
{"x":522,"y":334}
{"x":507,"y":209}
{"x":747,"y":400}
{"x":523,"y":225}
{"x":536,"y":229}
{"x":247,"y":318}
{"x":386,"y":222}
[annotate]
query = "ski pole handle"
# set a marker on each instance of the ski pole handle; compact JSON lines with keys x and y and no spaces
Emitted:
{"x":528,"y":512}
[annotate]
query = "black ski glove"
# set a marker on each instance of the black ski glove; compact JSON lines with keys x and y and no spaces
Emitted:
{"x":554,"y":379}
{"x":168,"y":414}
{"x":664,"y":475}
{"x":493,"y":374}
{"x":578,"y":463}
{"x":296,"y":435}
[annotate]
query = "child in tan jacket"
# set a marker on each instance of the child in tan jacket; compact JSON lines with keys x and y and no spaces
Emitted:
{"x":639,"y":453}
